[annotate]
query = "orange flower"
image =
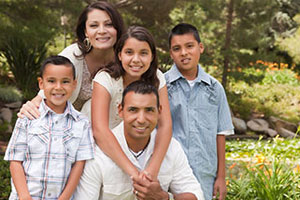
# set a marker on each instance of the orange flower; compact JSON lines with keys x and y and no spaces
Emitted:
{"x":297,"y":169}
{"x":232,"y":166}
{"x":260,"y":158}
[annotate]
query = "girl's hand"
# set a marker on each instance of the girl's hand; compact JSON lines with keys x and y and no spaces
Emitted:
{"x":146,"y":175}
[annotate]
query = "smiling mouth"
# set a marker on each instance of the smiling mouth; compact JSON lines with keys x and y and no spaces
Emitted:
{"x":135,"y":68}
{"x":186,"y":60}
{"x":140,"y":129}
{"x":103,"y":39}
{"x":58,"y":95}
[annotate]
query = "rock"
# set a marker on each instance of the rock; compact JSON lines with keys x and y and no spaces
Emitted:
{"x":285,"y":133}
{"x":9,"y":129}
{"x":271,"y":132}
{"x":277,"y":123}
{"x":258,"y":125}
{"x":14,"y":105}
{"x":240,"y":126}
{"x":6,"y":114}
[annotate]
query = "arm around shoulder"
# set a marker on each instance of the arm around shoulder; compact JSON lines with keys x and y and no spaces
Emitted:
{"x":104,"y":137}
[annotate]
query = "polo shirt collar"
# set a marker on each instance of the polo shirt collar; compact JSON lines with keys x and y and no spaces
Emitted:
{"x":175,"y":74}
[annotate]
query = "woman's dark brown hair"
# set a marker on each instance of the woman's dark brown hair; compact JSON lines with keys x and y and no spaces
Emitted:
{"x":114,"y":15}
{"x":142,"y":34}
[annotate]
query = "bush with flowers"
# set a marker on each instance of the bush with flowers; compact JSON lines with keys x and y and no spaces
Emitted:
{"x":263,"y":170}
{"x":272,"y":89}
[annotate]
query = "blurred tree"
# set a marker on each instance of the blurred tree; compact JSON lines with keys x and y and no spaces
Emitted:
{"x":236,"y":33}
{"x":27,"y":26}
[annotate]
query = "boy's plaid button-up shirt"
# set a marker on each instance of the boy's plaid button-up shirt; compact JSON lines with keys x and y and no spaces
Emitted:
{"x":47,"y":147}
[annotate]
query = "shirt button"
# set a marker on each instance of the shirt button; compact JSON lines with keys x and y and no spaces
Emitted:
{"x":49,"y":194}
{"x":56,"y":122}
{"x":55,"y":139}
{"x":53,"y":157}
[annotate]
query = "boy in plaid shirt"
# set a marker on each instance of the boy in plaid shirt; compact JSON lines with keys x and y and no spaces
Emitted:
{"x":47,"y":155}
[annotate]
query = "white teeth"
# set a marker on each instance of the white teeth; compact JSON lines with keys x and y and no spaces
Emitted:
{"x":140,"y":128}
{"x":103,"y":39}
{"x":136,"y":67}
{"x":185,"y":61}
{"x":58,"y":95}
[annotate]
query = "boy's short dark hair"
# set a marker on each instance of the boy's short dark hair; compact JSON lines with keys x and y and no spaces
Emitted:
{"x":140,"y":87}
{"x":184,"y":28}
{"x":57,"y":60}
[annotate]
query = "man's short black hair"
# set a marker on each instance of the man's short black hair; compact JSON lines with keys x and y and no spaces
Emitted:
{"x":140,"y":87}
{"x":184,"y":28}
{"x":57,"y":60}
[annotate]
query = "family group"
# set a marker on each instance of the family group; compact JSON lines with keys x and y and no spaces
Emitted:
{"x":140,"y":134}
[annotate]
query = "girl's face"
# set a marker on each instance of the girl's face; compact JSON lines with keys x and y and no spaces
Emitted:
{"x":99,"y":30}
{"x":136,"y":57}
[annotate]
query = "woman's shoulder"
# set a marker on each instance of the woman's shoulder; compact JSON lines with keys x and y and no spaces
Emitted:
{"x":104,"y":76}
{"x":72,"y":52}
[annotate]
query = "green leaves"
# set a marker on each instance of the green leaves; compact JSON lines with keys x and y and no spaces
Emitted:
{"x":264,"y":169}
{"x":24,"y":60}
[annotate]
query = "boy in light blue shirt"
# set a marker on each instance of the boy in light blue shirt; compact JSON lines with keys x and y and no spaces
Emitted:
{"x":47,"y":154}
{"x":200,"y":112}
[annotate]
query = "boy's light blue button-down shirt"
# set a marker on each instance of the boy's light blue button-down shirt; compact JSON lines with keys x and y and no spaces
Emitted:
{"x":198,"y":115}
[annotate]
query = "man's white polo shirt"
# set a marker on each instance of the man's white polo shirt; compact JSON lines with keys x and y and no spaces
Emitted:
{"x":103,"y":179}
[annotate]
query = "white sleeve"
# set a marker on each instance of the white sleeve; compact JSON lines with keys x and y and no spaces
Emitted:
{"x":103,"y":78}
{"x":42,"y":94}
{"x":161,"y":78}
{"x":227,"y":132}
{"x":89,"y":186}
{"x":184,"y":180}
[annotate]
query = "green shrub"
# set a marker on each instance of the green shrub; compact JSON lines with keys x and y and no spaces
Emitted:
{"x":263,"y":169}
{"x":5,"y":187}
{"x":273,"y":181}
{"x":285,"y":76}
{"x":9,"y":94}
{"x":24,"y":59}
{"x":271,"y":92}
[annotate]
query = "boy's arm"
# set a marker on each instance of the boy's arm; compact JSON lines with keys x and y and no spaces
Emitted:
{"x":73,"y":180}
{"x":220,"y":184}
{"x":19,"y":179}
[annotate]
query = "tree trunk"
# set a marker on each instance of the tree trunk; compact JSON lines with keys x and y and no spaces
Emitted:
{"x":227,"y":42}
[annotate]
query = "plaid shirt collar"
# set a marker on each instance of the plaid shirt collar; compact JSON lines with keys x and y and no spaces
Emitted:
{"x":69,"y":110}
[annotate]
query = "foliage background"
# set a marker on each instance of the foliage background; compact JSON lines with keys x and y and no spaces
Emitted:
{"x":251,"y":46}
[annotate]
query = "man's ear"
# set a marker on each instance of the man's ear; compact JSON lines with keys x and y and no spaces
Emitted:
{"x":201,"y":46}
{"x":159,"y":109}
{"x":171,"y":55}
{"x":120,"y":111}
{"x":40,"y":80}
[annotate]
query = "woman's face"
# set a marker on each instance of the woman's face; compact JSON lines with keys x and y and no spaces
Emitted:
{"x":99,"y":30}
{"x":136,"y":57}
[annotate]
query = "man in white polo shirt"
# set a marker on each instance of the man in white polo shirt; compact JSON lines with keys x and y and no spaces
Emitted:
{"x":103,"y":179}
